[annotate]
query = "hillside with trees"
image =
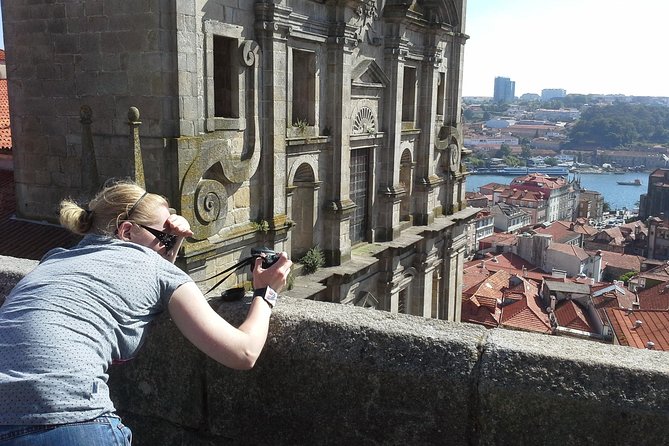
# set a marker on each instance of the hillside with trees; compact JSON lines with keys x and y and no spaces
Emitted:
{"x":620,"y":124}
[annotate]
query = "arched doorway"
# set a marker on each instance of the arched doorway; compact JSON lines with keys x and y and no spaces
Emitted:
{"x":406,"y":182}
{"x":303,"y":211}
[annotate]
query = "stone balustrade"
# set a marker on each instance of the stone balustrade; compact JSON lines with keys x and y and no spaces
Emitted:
{"x":336,"y":374}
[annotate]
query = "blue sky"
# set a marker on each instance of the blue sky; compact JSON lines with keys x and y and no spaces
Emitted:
{"x":582,"y":46}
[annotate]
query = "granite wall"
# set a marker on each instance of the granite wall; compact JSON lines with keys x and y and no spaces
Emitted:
{"x":337,"y":374}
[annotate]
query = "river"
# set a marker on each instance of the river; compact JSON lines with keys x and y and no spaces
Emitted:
{"x":616,"y":195}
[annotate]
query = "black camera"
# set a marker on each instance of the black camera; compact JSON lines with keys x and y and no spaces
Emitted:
{"x":270,"y":258}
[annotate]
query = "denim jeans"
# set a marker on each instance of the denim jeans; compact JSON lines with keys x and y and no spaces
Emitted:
{"x":102,"y":431}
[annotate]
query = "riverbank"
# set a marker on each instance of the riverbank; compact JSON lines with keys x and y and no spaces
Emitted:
{"x":619,"y":197}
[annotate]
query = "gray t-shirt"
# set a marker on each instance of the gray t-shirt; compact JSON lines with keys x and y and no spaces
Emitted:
{"x":68,"y":319}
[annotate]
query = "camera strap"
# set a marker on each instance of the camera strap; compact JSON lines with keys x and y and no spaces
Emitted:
{"x":229,"y":271}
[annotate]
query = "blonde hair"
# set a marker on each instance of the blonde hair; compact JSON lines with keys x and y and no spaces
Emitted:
{"x":117,"y":202}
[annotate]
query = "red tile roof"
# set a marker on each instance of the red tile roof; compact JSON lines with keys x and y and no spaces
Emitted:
{"x":560,"y":233}
{"x":575,"y":251}
{"x":569,"y":314}
{"x":627,"y":262}
{"x":25,"y":239}
{"x":638,"y":328}
{"x":5,"y":131}
{"x":655,"y":297}
{"x":526,"y":314}
{"x":507,"y":261}
{"x":539,"y":181}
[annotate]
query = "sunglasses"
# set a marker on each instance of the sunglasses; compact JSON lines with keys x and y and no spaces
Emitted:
{"x":167,"y":240}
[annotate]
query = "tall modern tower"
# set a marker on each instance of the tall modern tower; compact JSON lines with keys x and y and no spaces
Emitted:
{"x":505,"y":90}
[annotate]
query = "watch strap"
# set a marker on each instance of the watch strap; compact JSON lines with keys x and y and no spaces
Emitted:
{"x":267,"y":294}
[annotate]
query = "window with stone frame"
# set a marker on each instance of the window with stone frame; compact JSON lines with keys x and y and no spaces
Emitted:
{"x":441,"y":95}
{"x":226,"y":81}
{"x":409,"y":95}
{"x":359,"y":167}
{"x":304,"y":88}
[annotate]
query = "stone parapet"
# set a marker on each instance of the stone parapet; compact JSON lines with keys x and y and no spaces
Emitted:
{"x":337,"y":374}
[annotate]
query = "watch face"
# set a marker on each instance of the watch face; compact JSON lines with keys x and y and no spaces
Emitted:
{"x":271,"y":296}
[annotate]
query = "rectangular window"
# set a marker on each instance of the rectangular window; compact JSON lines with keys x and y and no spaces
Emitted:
{"x":359,"y":192}
{"x":226,"y":83}
{"x":304,"y":87}
{"x":409,"y":95}
{"x":441,"y":88}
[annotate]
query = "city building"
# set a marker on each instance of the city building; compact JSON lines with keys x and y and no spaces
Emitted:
{"x":560,"y":115}
{"x":658,"y":238}
{"x":490,"y":143}
{"x":509,"y":218}
{"x":534,"y":203}
{"x":590,"y":205}
{"x":562,"y":194}
{"x":289,"y":125}
{"x":550,"y":93}
{"x":505,"y":90}
{"x":482,"y":226}
{"x":655,"y":202}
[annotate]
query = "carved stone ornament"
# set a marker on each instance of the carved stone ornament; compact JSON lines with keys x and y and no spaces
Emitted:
{"x":368,"y":12}
{"x":211,"y":204}
{"x":454,"y":150}
{"x":364,"y":122}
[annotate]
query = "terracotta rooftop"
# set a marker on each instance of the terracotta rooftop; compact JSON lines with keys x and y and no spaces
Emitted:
{"x":655,"y":297}
{"x":570,"y":315}
{"x":560,"y":232}
{"x":627,"y":262}
{"x":539,"y":180}
{"x":5,"y":131}
{"x":638,"y":328}
{"x":571,"y":250}
{"x":22,"y":238}
{"x":526,"y":313}
{"x":508,"y":262}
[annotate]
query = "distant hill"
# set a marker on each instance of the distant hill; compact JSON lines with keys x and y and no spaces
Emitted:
{"x":620,"y":124}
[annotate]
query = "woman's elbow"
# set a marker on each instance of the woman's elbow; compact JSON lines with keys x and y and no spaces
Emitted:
{"x":245,"y":361}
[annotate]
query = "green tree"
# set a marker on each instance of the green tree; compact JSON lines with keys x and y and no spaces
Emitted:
{"x":513,"y":161}
{"x":504,"y":151}
{"x":551,"y":161}
{"x":627,"y":276}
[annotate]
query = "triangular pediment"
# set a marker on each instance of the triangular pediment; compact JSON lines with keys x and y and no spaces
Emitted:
{"x":368,"y":74}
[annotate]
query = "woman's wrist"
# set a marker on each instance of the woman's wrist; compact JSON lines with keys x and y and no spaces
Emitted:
{"x":267,"y":294}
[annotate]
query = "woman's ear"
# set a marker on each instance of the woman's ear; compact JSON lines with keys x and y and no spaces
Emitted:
{"x":123,"y":231}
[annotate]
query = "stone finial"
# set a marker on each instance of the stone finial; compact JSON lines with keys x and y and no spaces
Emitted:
{"x":133,"y":115}
{"x":138,"y":167}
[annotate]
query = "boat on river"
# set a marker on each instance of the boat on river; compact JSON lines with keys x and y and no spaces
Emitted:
{"x":636,"y":182}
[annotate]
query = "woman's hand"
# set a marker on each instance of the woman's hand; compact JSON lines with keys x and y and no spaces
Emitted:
{"x":178,"y":225}
{"x":275,"y":276}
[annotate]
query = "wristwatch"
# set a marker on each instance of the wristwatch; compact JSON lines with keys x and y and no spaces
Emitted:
{"x":268,"y":295}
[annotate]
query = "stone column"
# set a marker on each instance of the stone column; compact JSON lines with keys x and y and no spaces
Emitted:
{"x":336,"y":240}
{"x":390,"y":195}
{"x":426,"y":179}
{"x":272,"y":35}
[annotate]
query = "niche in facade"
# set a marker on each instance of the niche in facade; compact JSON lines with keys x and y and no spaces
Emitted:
{"x":226,"y":84}
{"x":304,"y":88}
{"x":409,"y":95}
{"x":441,"y":89}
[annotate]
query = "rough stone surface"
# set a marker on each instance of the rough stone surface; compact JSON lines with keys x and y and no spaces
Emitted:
{"x":337,"y":374}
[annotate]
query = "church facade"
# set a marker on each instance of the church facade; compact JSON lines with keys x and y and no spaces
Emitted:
{"x":295,"y":124}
